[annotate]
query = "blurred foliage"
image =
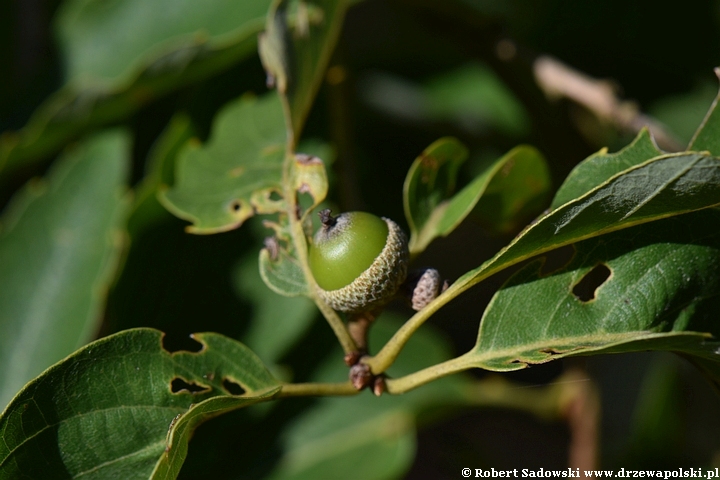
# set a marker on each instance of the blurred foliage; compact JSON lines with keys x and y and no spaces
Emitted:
{"x":88,"y":251}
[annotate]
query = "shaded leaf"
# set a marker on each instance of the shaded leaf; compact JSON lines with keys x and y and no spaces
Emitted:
{"x":517,"y":191}
{"x":706,"y":136}
{"x":599,"y":167}
{"x":277,"y":321}
{"x":112,"y":73}
{"x":433,"y":210}
{"x":121,"y":405}
{"x":237,"y":173}
{"x":476,"y":98}
{"x":661,"y":187}
{"x":429,"y":183}
{"x":169,"y":465}
{"x":471,"y":98}
{"x":59,"y":250}
{"x":296,"y":49}
{"x":159,"y":171}
{"x":683,"y":112}
{"x":660,"y":287}
{"x":283,"y":273}
{"x":363,"y":436}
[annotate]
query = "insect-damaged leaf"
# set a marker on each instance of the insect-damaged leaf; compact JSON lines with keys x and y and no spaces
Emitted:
{"x":658,"y":188}
{"x":652,"y":287}
{"x":237,"y":173}
{"x":117,"y":407}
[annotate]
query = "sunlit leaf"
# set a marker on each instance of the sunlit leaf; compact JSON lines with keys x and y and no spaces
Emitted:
{"x":599,"y":167}
{"x":237,"y":173}
{"x":650,"y":287}
{"x":59,"y":249}
{"x":661,"y":187}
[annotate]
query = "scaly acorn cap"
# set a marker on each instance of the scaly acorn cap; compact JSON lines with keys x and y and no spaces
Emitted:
{"x":358,"y":260}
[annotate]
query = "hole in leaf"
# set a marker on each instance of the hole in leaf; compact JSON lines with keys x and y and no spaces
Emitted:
{"x":275,"y":196}
{"x":175,"y":343}
{"x":178,"y":385}
{"x":585,"y":289}
{"x":232,"y":388}
{"x":557,"y":260}
{"x":235,"y":206}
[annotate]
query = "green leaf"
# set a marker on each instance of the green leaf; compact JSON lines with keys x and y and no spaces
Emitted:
{"x":363,"y":436}
{"x":296,"y":52}
{"x":428,"y":184}
{"x":237,"y":173}
{"x":277,"y":320}
{"x":657,"y":428}
{"x":598,"y":168}
{"x":147,"y":209}
{"x":96,"y":44}
{"x":433,"y":211}
{"x":283,"y":273}
{"x":59,"y":249}
{"x":683,"y":112}
{"x":117,"y":409}
{"x":706,"y":136}
{"x":476,"y":98}
{"x":661,"y":187}
{"x":119,"y":58}
{"x":518,"y":190}
{"x":653,"y":287}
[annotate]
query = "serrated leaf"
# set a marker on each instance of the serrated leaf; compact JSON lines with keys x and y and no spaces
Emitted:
{"x":296,"y":51}
{"x":661,"y":187}
{"x":236,"y":173}
{"x":707,"y":135}
{"x":120,"y":58}
{"x":59,"y":250}
{"x":109,"y":410}
{"x":659,"y":290}
{"x":599,"y":167}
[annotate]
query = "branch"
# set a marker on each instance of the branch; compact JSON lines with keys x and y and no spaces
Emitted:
{"x":558,"y":80}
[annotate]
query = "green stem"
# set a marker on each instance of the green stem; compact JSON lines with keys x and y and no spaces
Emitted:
{"x":337,"y":325}
{"x":409,"y":382}
{"x":316,"y":389}
{"x":389,"y":352}
{"x":298,"y":236}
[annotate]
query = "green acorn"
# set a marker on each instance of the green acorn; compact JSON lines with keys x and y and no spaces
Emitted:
{"x":358,"y":260}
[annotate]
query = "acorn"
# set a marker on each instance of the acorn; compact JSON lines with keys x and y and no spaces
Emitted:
{"x":359,"y":260}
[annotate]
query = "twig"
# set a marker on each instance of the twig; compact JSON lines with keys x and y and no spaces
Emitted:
{"x":558,"y":80}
